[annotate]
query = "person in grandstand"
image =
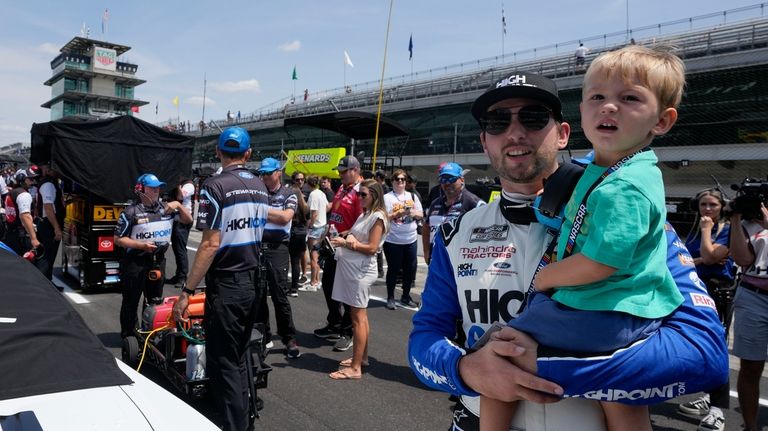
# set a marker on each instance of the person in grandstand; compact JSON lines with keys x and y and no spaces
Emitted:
{"x":483,"y":264}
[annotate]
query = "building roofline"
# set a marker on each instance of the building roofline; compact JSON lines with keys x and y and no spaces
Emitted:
{"x":79,"y":43}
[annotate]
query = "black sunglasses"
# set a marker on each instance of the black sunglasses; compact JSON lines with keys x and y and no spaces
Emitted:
{"x":399,"y":179}
{"x":362,"y":194}
{"x":532,"y":118}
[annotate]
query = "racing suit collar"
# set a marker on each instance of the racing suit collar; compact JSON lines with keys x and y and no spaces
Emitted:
{"x":514,"y":213}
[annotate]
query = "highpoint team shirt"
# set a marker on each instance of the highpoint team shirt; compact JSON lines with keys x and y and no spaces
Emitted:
{"x":147,"y":224}
{"x":282,"y":199}
{"x":235,"y":203}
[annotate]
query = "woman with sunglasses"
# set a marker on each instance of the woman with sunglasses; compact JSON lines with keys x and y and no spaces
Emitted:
{"x":709,"y":242}
{"x":356,"y":271}
{"x":403,"y":209}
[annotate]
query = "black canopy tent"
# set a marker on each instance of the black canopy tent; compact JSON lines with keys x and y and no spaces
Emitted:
{"x":106,"y":156}
{"x":354,"y":124}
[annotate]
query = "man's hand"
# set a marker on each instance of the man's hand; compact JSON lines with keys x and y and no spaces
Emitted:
{"x":150,"y":247}
{"x":35,"y":243}
{"x":490,"y":372}
{"x":180,"y":308}
{"x":57,"y":234}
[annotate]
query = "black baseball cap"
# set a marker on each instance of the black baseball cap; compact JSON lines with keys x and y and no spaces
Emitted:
{"x":520,"y":84}
{"x":347,"y":162}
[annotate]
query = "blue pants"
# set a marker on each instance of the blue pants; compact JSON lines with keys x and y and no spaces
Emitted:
{"x":562,"y":328}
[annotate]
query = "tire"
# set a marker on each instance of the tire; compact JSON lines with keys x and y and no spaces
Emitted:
{"x":130,"y":351}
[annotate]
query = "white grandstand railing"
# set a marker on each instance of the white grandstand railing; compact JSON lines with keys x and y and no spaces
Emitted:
{"x":731,"y":30}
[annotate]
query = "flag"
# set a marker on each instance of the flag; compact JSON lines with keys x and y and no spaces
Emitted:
{"x":294,"y":76}
{"x":176,"y":101}
{"x":347,"y":60}
{"x":410,"y":47}
{"x":135,"y":109}
{"x":157,"y":105}
{"x":104,"y":20}
{"x":503,"y":21}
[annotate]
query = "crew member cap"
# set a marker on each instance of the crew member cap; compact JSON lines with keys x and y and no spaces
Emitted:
{"x":150,"y":180}
{"x":32,"y":172}
{"x":347,"y":162}
{"x":452,"y":170}
{"x":520,"y":85}
{"x":269,"y":165}
{"x":234,"y":140}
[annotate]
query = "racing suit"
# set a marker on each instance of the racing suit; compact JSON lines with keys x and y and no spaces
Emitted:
{"x":481,"y":267}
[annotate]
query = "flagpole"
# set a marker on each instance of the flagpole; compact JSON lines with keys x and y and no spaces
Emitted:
{"x":344,"y":65}
{"x":503,"y":24}
{"x":381,"y":89}
{"x":205,"y":84}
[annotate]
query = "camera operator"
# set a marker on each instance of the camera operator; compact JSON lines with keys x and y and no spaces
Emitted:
{"x":749,"y":247}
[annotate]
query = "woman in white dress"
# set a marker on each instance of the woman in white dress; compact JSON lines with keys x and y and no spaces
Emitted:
{"x":356,"y":271}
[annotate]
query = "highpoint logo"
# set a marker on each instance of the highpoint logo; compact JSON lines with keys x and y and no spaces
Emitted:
{"x":665,"y":392}
{"x":466,"y":270}
{"x":429,"y":374}
{"x":245,"y":223}
{"x":511,"y":80}
{"x":154,"y":234}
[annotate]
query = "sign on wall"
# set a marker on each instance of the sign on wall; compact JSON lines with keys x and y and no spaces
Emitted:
{"x":104,"y":58}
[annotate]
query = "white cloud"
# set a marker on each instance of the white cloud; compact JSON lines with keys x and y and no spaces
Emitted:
{"x":48,"y":48}
{"x":251,"y":85}
{"x":290,"y":46}
{"x":198,"y":101}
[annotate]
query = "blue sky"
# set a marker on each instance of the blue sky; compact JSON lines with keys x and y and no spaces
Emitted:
{"x":247,"y":49}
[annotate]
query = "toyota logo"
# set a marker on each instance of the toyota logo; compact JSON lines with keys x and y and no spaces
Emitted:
{"x":106,"y":243}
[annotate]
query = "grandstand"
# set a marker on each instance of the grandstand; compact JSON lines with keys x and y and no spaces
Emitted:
{"x":722,"y":131}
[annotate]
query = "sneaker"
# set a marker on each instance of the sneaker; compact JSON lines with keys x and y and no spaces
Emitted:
{"x":391,"y":304}
{"x":293,"y":294}
{"x":270,"y":344}
{"x":714,"y":421}
{"x":172,"y":280}
{"x":309,"y":288}
{"x":698,"y":407}
{"x":409,"y":303}
{"x":292,"y":349}
{"x":344,"y":343}
{"x":327,"y":332}
{"x":303,"y":280}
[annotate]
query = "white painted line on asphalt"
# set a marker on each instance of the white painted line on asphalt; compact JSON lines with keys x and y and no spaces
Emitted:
{"x":384,"y":300}
{"x":735,"y":394}
{"x":71,"y":294}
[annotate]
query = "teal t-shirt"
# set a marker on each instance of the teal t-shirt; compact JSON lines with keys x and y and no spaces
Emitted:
{"x":624,"y":229}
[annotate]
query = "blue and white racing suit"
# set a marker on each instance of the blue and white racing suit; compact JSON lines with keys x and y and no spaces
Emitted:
{"x":481,"y":266}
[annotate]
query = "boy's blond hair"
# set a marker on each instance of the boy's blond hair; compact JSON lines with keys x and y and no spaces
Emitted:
{"x":657,"y":69}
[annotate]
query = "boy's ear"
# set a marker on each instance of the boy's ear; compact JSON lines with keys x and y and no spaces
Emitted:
{"x":667,"y":119}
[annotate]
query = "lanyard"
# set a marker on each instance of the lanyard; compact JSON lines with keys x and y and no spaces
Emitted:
{"x":581,"y":213}
{"x":546,"y":259}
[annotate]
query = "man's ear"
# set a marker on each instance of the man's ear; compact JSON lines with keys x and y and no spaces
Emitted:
{"x":482,"y":142}
{"x":563,"y":135}
{"x":667,"y":119}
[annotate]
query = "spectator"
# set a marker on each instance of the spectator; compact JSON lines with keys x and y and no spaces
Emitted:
{"x":238,"y":116}
{"x":19,"y":210}
{"x":381,"y":177}
{"x":356,"y":272}
{"x":454,"y":201}
{"x":297,"y":247}
{"x":403,"y":211}
{"x":318,"y":210}
{"x":581,"y":55}
{"x":749,"y":247}
{"x":298,"y":179}
{"x":325,"y":187}
{"x":183,"y":193}
{"x":50,"y":207}
{"x":345,"y":210}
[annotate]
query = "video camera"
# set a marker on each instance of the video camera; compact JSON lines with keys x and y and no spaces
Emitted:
{"x":750,"y":194}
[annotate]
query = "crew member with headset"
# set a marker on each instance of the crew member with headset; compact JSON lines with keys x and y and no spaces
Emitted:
{"x":144,"y":229}
{"x":50,"y":208}
{"x":19,"y":207}
{"x":233,"y":210}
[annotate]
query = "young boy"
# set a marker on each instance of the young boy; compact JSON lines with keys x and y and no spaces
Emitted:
{"x":610,"y":285}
